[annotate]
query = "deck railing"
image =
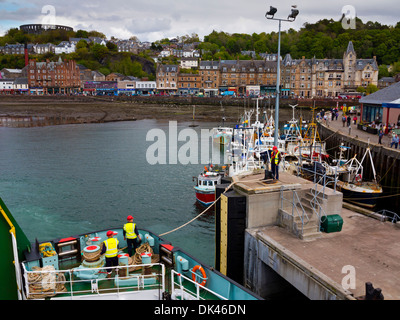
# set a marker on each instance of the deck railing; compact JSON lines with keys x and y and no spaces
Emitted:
{"x":181,"y":292}
{"x":64,"y":284}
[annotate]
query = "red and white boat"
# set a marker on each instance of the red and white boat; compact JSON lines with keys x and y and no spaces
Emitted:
{"x":206,"y":184}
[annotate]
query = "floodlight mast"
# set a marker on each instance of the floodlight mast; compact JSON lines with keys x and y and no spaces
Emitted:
{"x":270,"y":15}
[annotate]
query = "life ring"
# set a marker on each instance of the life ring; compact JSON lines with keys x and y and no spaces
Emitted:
{"x":203,"y":273}
{"x":295,"y":149}
{"x":358,"y":178}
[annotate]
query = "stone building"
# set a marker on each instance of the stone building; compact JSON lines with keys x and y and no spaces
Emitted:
{"x":189,"y":83}
{"x":237,"y":75}
{"x":53,"y":77}
{"x":167,"y":78}
{"x":307,"y":78}
{"x":322,"y":78}
{"x":209,"y":77}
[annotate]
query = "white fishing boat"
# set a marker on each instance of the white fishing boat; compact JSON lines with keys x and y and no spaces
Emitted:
{"x":355,"y":188}
{"x":222,"y":135}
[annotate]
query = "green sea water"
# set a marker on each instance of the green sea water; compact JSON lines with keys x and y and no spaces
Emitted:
{"x":65,"y":180}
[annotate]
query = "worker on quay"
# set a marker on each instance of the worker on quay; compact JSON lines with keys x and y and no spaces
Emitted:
{"x":110,"y":250}
{"x":131,"y":235}
{"x":275,"y":160}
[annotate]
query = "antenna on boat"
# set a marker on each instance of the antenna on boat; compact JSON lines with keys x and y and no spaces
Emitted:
{"x":293,"y":107}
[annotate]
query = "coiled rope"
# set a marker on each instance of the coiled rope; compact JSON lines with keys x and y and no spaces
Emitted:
{"x":45,"y":283}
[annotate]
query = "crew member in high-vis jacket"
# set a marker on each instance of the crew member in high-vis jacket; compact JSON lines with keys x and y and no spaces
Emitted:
{"x":131,"y":235}
{"x":275,"y":160}
{"x":110,"y":250}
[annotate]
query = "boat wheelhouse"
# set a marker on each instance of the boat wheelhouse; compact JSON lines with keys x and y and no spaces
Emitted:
{"x":205,"y":187}
{"x":222,"y":135}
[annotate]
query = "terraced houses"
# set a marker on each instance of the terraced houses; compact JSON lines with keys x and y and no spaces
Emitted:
{"x":318,"y":78}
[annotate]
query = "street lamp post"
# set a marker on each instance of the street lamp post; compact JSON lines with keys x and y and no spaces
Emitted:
{"x":270,"y":15}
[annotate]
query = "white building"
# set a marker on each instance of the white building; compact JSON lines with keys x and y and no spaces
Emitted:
{"x":65,"y":47}
{"x":6,"y":85}
{"x":188,"y":63}
{"x":43,"y":48}
{"x":21,"y":85}
{"x":14,"y":85}
{"x":164,"y":54}
{"x":146,"y":87}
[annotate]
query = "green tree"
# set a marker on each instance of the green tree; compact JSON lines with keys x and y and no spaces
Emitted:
{"x":371,"y":88}
{"x":82,"y":34}
{"x":99,"y":52}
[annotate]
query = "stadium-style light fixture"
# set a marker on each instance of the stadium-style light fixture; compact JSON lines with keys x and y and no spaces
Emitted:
{"x":270,"y":14}
{"x":293,"y":15}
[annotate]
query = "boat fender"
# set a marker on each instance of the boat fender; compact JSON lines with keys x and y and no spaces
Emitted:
{"x":203,"y":273}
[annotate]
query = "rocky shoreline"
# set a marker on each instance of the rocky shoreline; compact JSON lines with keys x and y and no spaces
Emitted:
{"x":69,"y":110}
{"x":17,"y":111}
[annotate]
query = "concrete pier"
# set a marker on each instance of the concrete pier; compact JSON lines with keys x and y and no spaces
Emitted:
{"x":324,"y":266}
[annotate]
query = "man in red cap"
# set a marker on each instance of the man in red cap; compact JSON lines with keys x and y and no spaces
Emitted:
{"x":110,"y":249}
{"x":275,"y":160}
{"x":131,"y":235}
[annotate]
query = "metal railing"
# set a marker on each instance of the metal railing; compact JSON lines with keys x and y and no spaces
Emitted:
{"x":180,"y":291}
{"x":65,"y":283}
{"x":295,"y":202}
{"x":323,"y":180}
{"x":387,"y":215}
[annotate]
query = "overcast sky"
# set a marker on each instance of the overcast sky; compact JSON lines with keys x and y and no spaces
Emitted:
{"x":152,"y":20}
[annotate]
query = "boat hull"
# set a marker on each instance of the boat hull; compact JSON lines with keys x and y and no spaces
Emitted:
{"x":206,"y":198}
{"x":361,"y":195}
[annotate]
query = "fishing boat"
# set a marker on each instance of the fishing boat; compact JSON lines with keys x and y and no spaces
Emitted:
{"x":353,"y":185}
{"x":71,"y":268}
{"x":206,"y":183}
{"x":222,"y":135}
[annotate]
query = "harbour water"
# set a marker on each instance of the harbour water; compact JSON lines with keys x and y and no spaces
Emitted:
{"x":66,"y":180}
{"x":70,"y":179}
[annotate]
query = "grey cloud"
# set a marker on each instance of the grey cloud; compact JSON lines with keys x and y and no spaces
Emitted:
{"x":147,"y":25}
{"x":178,"y":17}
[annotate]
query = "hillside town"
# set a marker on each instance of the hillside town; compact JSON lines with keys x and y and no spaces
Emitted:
{"x":192,"y":75}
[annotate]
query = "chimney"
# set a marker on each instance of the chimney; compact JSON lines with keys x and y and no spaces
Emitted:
{"x":26,"y":54}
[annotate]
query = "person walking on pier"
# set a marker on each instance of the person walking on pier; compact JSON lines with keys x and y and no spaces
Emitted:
{"x":131,"y":235}
{"x":381,"y":134}
{"x":395,"y":141}
{"x":344,"y":120}
{"x":275,"y":160}
{"x":348,"y":120}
